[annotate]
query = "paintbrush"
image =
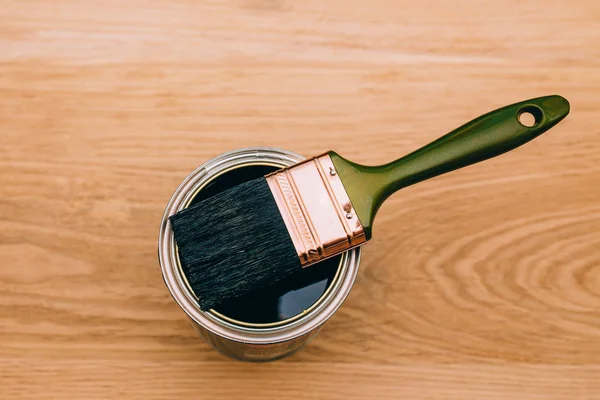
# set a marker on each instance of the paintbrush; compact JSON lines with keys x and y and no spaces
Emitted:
{"x":261,"y":231}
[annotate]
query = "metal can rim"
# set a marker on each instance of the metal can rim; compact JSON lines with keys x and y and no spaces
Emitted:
{"x":186,"y":299}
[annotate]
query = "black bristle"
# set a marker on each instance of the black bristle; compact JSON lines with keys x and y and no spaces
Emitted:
{"x":233,"y":243}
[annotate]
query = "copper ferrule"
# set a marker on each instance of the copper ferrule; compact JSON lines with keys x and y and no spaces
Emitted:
{"x":316,"y":209}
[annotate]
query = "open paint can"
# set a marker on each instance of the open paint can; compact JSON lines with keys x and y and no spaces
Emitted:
{"x":275,"y":321}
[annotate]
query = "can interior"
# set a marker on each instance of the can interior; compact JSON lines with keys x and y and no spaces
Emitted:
{"x":290,"y":298}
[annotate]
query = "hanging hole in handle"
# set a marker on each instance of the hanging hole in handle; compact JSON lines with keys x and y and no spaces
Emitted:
{"x":529,"y":116}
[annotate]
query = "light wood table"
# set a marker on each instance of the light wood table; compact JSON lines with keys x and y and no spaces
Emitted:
{"x":480,"y":284}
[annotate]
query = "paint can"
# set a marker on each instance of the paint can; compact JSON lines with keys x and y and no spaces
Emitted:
{"x":279,"y":320}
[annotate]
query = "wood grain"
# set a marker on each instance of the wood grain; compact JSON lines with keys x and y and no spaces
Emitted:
{"x":480,"y":284}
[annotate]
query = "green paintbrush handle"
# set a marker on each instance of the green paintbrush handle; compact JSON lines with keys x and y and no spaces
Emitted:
{"x":487,"y":136}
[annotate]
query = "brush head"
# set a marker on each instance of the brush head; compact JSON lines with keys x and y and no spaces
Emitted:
{"x":233,"y":243}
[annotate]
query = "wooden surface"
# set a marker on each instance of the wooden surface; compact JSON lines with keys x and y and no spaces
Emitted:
{"x":480,"y":284}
